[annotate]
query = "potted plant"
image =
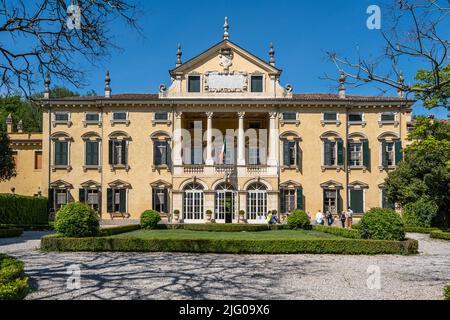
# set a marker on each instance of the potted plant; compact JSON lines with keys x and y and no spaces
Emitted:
{"x":208,"y":215}
{"x":241,"y":215}
{"x":176,"y":215}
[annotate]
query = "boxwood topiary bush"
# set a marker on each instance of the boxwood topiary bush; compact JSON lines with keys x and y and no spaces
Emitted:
{"x":150,"y":219}
{"x":382,"y":224}
{"x":447,"y":292}
{"x":420,"y":213}
{"x":76,"y":219}
{"x":13,"y":283}
{"x":298,"y":219}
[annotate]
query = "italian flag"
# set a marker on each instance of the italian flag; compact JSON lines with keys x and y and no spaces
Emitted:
{"x":222,"y":152}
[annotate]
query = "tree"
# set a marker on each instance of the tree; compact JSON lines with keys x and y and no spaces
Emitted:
{"x":413,"y":33}
{"x":45,"y":36}
{"x":425,"y":172}
{"x":20,"y":109}
{"x":7,"y":166}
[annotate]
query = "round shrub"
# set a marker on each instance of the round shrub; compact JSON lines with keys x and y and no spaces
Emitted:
{"x":382,"y":224}
{"x":420,"y":213}
{"x":77,"y":219}
{"x":150,"y":219}
{"x":298,"y":219}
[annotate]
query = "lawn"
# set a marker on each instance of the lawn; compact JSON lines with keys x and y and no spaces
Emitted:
{"x":205,"y":235}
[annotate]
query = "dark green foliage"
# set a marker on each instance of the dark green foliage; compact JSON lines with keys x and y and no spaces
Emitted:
{"x":356,"y":226}
{"x":219,"y":227}
{"x":447,"y":292}
{"x":411,"y":229}
{"x":346,"y":233}
{"x":7,"y":165}
{"x":382,"y":224}
{"x":20,"y":109}
{"x":298,"y":219}
{"x":10,"y":232}
{"x":150,"y":219}
{"x":420,"y":213}
{"x":104,"y":232}
{"x":13,"y":283}
{"x":23,"y":210}
{"x":242,"y":246}
{"x":440,"y":235}
{"x":76,"y":219}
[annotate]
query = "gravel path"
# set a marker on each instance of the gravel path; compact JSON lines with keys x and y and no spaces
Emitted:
{"x":212,"y":276}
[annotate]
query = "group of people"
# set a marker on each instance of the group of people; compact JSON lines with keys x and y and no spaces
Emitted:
{"x":346,"y":218}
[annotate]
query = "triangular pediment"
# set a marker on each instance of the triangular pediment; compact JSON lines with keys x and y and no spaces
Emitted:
{"x":216,"y":50}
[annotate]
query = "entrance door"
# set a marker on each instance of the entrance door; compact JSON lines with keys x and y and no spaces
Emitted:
{"x":224,"y":206}
{"x":229,"y":207}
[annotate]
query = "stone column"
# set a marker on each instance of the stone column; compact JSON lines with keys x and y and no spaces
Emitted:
{"x":273,"y":141}
{"x":209,"y":147}
{"x":241,"y":140}
{"x":177,"y":139}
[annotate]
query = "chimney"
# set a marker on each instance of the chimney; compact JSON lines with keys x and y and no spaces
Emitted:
{"x":47,"y":86}
{"x":272,"y":55}
{"x":9,"y":124}
{"x":20,"y":126}
{"x":342,"y":79}
{"x":179,"y":54}
{"x":107,"y":85}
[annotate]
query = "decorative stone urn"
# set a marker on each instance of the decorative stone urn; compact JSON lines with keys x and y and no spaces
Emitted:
{"x":176,"y":216}
{"x":242,"y":216}
{"x":209,"y":216}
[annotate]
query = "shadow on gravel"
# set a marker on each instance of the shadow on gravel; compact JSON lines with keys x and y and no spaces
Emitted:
{"x":26,"y":236}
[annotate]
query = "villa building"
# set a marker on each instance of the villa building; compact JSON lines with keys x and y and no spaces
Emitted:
{"x":225,"y":136}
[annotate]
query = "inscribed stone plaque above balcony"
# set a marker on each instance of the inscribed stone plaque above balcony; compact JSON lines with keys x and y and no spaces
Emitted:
{"x":226,"y":82}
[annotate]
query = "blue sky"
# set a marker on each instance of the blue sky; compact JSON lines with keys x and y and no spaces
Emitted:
{"x":300,"y":30}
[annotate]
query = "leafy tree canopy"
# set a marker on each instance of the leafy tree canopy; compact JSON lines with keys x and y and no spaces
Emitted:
{"x":433,"y":98}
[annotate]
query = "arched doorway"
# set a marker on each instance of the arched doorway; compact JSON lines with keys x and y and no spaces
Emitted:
{"x":256,"y":202}
{"x":225,"y":203}
{"x":193,"y":203}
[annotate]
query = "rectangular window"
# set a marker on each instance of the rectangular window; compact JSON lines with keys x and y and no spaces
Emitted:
{"x":330,"y":116}
{"x":257,"y":84}
{"x":355,"y":117}
{"x":37,"y":160}
{"x":160,"y":200}
{"x":197,"y":155}
{"x":92,"y":153}
{"x":357,"y":201}
{"x":289,"y":116}
{"x":194,"y":84}
{"x":92,"y":117}
{"x":117,"y":200}
{"x":61,"y":116}
{"x":355,"y":153}
{"x":118,"y":152}
{"x":290,"y":151}
{"x":387,"y":117}
{"x":120,"y":116}
{"x":253,"y":156}
{"x":61,"y":198}
{"x":330,"y":153}
{"x":288,"y":200}
{"x":390,"y":154}
{"x":161,"y":116}
{"x":161,"y":153}
{"x":254,"y":125}
{"x":61,"y":153}
{"x":330,"y":201}
{"x":385,"y":203}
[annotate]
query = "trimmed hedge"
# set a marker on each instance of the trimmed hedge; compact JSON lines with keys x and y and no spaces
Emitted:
{"x":77,"y":219}
{"x":150,"y":219}
{"x":298,"y":219}
{"x":10,"y":232}
{"x":346,"y":233}
{"x":13,"y":283}
{"x":440,"y":235}
{"x":215,"y":227}
{"x":104,"y":232}
{"x":413,"y":229}
{"x":23,"y":210}
{"x":382,"y":224}
{"x":291,"y":246}
{"x":447,"y":292}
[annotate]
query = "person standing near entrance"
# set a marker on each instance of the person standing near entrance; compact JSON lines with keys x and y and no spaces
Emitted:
{"x":349,"y":217}
{"x":343,"y":218}
{"x":330,"y":218}
{"x":319,"y":217}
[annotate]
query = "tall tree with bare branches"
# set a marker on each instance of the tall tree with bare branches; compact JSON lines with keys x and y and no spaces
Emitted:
{"x":414,"y":31}
{"x":47,"y":36}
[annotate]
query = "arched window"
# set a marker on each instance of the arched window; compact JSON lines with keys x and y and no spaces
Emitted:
{"x":256,"y":202}
{"x":193,"y":203}
{"x":225,"y":203}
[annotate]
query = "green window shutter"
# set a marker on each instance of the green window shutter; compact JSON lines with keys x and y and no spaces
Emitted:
{"x":300,"y":198}
{"x":398,"y":152}
{"x":111,"y":152}
{"x":323,"y":199}
{"x":366,"y":154}
{"x":357,"y":201}
{"x":82,"y":195}
{"x":124,"y":152}
{"x":339,"y":201}
{"x":99,"y":201}
{"x":286,"y":153}
{"x":383,"y":154}
{"x":166,"y":201}
{"x":348,"y":154}
{"x":51,"y":200}
{"x":123,"y":200}
{"x":153,"y":199}
{"x":340,"y":153}
{"x":298,"y":155}
{"x":95,"y":153}
{"x":327,"y":153}
{"x":109,"y":200}
{"x":282,"y":203}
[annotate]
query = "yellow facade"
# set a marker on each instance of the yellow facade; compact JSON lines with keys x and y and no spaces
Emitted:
{"x":224,"y":74}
